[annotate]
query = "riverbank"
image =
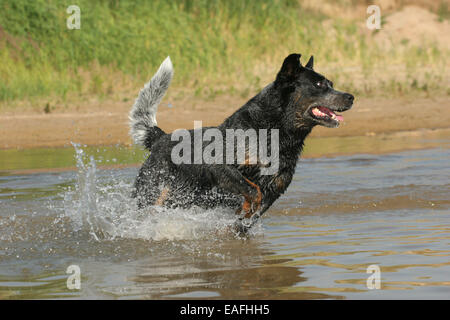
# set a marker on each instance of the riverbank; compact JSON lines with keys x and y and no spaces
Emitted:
{"x":106,"y":123}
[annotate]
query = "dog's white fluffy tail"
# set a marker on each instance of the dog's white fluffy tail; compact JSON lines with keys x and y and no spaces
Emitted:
{"x":143,"y":114}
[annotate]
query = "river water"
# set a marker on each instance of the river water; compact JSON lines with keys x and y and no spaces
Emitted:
{"x":340,"y":215}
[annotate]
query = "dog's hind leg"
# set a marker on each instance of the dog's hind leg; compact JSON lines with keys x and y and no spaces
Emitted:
{"x":162,"y":197}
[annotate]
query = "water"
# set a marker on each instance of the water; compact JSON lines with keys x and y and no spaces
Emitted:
{"x":340,"y":215}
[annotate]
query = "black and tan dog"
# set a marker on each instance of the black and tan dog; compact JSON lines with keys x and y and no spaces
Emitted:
{"x":293,"y":104}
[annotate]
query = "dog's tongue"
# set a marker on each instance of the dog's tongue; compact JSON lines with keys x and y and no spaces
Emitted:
{"x":321,"y":111}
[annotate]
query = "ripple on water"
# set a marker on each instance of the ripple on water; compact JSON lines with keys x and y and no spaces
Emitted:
{"x":339,"y":216}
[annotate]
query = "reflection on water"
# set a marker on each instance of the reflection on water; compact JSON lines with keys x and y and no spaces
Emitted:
{"x":339,"y":216}
{"x":35,"y":160}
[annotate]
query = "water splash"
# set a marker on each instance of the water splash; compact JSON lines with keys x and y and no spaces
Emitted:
{"x":104,"y":208}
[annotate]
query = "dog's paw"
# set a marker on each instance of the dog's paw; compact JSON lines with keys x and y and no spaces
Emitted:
{"x":240,"y":228}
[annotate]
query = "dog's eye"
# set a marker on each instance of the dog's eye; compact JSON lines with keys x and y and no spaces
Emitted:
{"x":320,"y":84}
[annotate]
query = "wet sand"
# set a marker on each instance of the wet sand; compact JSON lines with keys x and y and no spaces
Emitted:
{"x":106,"y":123}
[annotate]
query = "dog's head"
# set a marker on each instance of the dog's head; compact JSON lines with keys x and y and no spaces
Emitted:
{"x":311,"y":98}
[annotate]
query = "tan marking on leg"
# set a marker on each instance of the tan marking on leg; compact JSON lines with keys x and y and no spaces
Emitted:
{"x":162,"y":197}
{"x":248,"y":203}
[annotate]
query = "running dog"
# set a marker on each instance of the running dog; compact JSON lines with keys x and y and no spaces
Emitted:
{"x":293,"y":104}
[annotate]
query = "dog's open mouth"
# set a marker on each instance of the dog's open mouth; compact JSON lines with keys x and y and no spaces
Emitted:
{"x":324,"y":114}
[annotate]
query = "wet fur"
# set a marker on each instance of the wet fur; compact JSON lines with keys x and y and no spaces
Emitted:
{"x":284,"y":105}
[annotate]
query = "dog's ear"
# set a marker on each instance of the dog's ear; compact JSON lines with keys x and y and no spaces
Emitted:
{"x":310,"y":63}
{"x":290,"y":68}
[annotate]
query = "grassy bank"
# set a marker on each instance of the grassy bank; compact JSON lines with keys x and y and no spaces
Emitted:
{"x":217,"y":46}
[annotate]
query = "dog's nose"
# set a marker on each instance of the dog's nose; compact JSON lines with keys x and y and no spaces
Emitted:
{"x":349,"y":97}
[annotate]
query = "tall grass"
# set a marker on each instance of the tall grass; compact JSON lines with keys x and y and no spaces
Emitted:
{"x":213,"y":44}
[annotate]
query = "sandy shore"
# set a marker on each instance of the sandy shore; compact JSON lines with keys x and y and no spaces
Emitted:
{"x":106,"y":123}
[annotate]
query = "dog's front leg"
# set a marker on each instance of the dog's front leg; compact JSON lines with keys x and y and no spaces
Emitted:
{"x":243,"y":224}
{"x":251,"y":204}
{"x":232,"y":180}
{"x":275,"y":186}
{"x":229,"y":179}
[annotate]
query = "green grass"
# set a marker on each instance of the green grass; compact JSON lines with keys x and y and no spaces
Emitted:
{"x":443,"y":11}
{"x":220,"y":46}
